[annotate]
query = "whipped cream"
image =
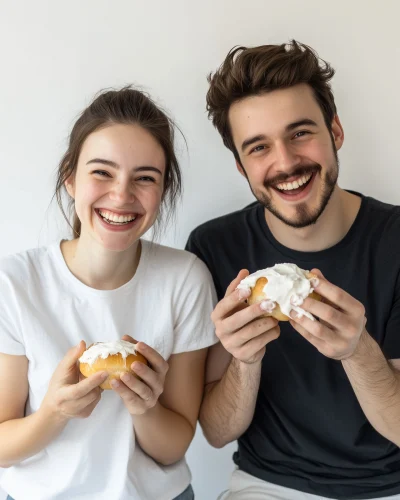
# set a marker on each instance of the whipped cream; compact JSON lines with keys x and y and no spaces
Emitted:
{"x":287,"y":286}
{"x":105,"y":349}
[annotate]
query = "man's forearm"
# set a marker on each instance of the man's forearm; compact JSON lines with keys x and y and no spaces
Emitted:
{"x":163,"y":434}
{"x":377,"y":387}
{"x":228,"y":405}
{"x":22,"y":438}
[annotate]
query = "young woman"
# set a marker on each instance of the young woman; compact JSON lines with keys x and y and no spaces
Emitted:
{"x":61,"y":436}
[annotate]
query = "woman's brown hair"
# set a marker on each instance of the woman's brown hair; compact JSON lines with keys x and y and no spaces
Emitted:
{"x":127,"y":106}
{"x":254,"y":71}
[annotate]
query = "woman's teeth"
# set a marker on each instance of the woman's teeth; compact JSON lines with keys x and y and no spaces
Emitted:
{"x":289,"y":186}
{"x":116,"y":220}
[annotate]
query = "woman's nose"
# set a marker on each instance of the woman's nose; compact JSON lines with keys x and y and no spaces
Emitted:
{"x":122,"y":192}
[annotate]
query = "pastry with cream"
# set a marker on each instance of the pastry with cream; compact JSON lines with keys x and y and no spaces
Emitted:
{"x":114,"y":357}
{"x":283,"y":287}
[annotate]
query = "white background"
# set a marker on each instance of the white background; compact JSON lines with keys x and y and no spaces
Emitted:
{"x":55,"y":55}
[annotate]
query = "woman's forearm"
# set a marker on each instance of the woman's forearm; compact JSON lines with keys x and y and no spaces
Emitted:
{"x":163,"y":434}
{"x":22,"y":438}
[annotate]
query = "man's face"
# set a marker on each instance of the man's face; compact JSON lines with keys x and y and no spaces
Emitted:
{"x":287,"y":153}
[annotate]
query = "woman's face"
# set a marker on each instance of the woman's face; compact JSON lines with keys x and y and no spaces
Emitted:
{"x":118,"y":185}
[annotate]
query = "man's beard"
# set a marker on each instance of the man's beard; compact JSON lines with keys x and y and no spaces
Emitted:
{"x":305,"y":216}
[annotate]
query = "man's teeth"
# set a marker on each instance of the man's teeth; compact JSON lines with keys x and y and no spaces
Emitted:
{"x":288,"y":186}
{"x":115,"y":218}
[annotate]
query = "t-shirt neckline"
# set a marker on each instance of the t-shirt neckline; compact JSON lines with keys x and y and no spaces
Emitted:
{"x":84,"y":289}
{"x":319,"y":255}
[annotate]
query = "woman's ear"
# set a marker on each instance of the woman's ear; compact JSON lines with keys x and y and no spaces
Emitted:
{"x":70,"y":185}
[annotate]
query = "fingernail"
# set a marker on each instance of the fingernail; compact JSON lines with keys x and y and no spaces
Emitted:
{"x":267,"y":305}
{"x":314,"y":282}
{"x":137,"y":366}
{"x":244,"y":293}
{"x":126,"y":377}
{"x":296,"y":300}
{"x":293,"y":314}
{"x":104,"y":375}
{"x":115,"y":384}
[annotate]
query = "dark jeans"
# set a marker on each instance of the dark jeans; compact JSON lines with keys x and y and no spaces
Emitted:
{"x":188,"y":494}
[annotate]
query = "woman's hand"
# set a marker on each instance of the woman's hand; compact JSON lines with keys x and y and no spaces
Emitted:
{"x":69,"y":394}
{"x":139,"y":395}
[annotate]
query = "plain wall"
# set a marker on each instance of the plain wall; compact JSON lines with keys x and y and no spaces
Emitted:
{"x":56,"y":55}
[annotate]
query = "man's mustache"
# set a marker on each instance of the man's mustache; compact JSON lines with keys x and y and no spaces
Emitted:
{"x":299,"y":171}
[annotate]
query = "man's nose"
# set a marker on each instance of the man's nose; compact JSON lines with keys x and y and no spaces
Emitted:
{"x":286,"y":158}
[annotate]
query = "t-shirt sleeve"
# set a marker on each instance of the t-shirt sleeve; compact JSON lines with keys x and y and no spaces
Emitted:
{"x":196,"y":300}
{"x":195,"y":245}
{"x":10,"y":340}
{"x":391,"y":344}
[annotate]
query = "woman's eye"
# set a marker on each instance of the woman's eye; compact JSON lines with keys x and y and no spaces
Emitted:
{"x":146,"y":179}
{"x":102,"y":173}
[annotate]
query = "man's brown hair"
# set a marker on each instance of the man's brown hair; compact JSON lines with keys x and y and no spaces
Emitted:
{"x":255,"y":71}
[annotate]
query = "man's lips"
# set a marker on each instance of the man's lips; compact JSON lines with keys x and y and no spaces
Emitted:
{"x":296,"y":194}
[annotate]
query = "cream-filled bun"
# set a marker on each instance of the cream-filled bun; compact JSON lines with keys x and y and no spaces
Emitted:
{"x":114,"y":357}
{"x":283,"y":287}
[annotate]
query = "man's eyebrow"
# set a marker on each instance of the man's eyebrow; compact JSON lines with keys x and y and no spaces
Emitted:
{"x":261,"y":137}
{"x":300,"y":123}
{"x":251,"y":140}
{"x":112,"y":164}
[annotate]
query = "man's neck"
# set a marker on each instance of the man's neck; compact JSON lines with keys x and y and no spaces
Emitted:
{"x":330,"y":228}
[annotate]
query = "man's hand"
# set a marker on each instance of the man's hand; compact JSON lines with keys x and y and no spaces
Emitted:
{"x":342,"y":321}
{"x":240,"y":328}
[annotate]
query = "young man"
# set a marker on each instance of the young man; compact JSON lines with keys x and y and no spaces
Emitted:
{"x":314,"y":405}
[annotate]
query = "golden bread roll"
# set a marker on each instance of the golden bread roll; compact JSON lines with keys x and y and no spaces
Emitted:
{"x":290,"y":287}
{"x":257,"y":296}
{"x":115,"y":358}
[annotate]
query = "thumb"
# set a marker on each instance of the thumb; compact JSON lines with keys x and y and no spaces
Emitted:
{"x":71,"y":358}
{"x":318,"y":273}
{"x":128,"y":338}
{"x":242,"y":274}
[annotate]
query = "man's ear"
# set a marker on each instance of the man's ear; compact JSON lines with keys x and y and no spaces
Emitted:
{"x":70,"y":185}
{"x":337,"y":132}
{"x":240,"y":169}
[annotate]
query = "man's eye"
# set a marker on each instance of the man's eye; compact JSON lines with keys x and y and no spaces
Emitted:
{"x":102,"y":173}
{"x":257,"y":149}
{"x":302,"y":133}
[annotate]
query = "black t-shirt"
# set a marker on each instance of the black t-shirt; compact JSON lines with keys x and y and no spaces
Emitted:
{"x":309,"y":432}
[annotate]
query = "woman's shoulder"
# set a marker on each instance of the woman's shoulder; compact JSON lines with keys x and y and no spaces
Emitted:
{"x":174,"y":261}
{"x":168,"y":255}
{"x":21,"y":266}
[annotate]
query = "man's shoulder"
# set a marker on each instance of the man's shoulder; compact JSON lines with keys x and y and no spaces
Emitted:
{"x":224,"y":224}
{"x":383,"y":207}
{"x":385,"y":215}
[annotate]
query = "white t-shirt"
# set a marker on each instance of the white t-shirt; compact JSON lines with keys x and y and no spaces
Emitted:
{"x":45,"y":310}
